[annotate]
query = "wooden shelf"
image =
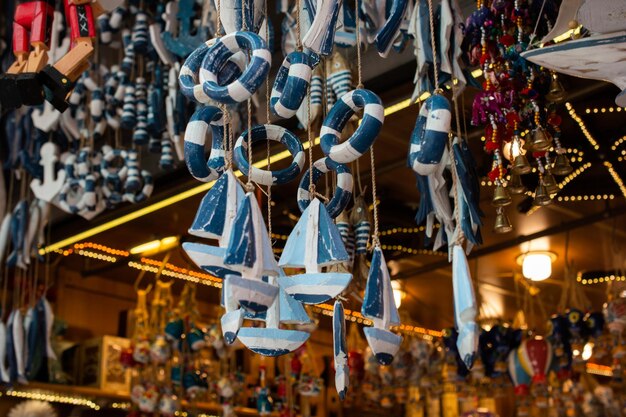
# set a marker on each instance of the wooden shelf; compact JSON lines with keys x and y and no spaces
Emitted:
{"x":121,"y":396}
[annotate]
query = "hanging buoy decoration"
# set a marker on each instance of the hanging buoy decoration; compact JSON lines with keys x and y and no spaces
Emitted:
{"x":291,"y":84}
{"x":343,"y":191}
{"x":430,"y":136}
{"x":195,"y":138}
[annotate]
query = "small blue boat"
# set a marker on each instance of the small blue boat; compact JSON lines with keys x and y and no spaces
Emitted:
{"x":209,"y":258}
{"x":380,"y":307}
{"x":249,"y":252}
{"x":465,"y":307}
{"x":314,"y":243}
{"x":340,"y":351}
{"x":232,"y":319}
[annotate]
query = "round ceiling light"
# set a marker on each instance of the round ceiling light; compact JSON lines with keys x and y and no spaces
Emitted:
{"x":536,"y":265}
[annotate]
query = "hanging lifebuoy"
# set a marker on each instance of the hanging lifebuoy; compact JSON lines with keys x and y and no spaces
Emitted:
{"x":109,"y":172}
{"x":195,"y":138}
{"x":252,"y":77}
{"x":365,"y":134}
{"x":145,"y":192}
{"x":343,"y":192}
{"x":189,"y":78}
{"x":429,"y":138}
{"x":277,"y":134}
{"x":291,"y":84}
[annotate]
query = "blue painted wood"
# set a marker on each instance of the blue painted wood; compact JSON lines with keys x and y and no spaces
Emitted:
{"x":343,"y":191}
{"x":365,"y":134}
{"x":19,"y":223}
{"x":340,"y":351}
{"x":321,"y":35}
{"x":253,"y":295}
{"x":231,"y":324}
{"x":195,"y":139}
{"x":465,"y":307}
{"x":291,"y":84}
{"x":272,"y":342}
{"x":277,"y":134}
{"x":315,"y":288}
{"x":209,"y":259}
{"x":291,"y":310}
{"x":390,"y":29}
{"x":379,"y":304}
{"x":428,"y":140}
{"x":185,"y":42}
{"x":384,"y":344}
{"x":233,"y":13}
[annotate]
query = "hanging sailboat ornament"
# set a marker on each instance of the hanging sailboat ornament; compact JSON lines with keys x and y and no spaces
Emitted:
{"x":465,"y":308}
{"x":232,"y":319}
{"x":321,"y":35}
{"x":314,"y":243}
{"x":340,"y":351}
{"x":250,"y":252}
{"x":380,"y":307}
{"x":272,"y":340}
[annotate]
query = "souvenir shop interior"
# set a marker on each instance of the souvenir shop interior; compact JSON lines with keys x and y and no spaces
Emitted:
{"x":298,"y":208}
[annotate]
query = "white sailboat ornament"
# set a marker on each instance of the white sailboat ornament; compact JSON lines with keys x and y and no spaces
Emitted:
{"x":380,"y":307}
{"x":314,"y":243}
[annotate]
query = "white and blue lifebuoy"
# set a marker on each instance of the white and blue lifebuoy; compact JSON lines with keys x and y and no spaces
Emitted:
{"x":195,"y":138}
{"x":365,"y":134}
{"x":430,"y":135}
{"x":343,"y":192}
{"x":145,"y":192}
{"x":291,"y":84}
{"x":277,"y":134}
{"x":189,"y":78}
{"x":109,"y":172}
{"x":253,"y":75}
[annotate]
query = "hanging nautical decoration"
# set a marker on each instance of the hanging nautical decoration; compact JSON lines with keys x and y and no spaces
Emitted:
{"x":340,"y":351}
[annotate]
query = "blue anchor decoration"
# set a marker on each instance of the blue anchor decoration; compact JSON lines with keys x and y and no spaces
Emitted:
{"x":184,"y":44}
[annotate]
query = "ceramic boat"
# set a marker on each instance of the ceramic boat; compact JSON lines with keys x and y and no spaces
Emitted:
{"x":314,"y":243}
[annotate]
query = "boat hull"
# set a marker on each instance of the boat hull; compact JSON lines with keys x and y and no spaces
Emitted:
{"x":209,"y":258}
{"x":384,"y":344}
{"x":231,"y":323}
{"x":272,"y":342}
{"x":254,"y":295}
{"x":315,"y":288}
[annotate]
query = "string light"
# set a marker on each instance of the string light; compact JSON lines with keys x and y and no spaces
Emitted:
{"x":101,"y":248}
{"x":587,"y":279}
{"x":596,"y":110}
{"x":582,"y":126}
{"x":616,"y":177}
{"x":53,"y":398}
{"x":94,"y":255}
{"x":618,"y":143}
{"x":573,"y":198}
{"x":570,"y":177}
{"x":412,"y":251}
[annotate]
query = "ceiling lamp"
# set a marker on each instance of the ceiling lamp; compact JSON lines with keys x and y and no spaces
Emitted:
{"x":536,"y":265}
{"x":155,"y":246}
{"x":513,"y":148}
{"x":398,"y":292}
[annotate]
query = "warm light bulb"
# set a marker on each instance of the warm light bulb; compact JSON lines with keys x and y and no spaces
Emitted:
{"x":398,"y":292}
{"x":513,"y":148}
{"x":587,"y":351}
{"x":537,"y":266}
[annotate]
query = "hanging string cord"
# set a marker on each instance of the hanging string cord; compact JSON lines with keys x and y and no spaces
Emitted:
{"x":532,"y":37}
{"x":310,"y":140}
{"x":358,"y":47}
{"x":433,"y":44}
{"x":218,"y":32}
{"x":244,"y":22}
{"x":298,"y":27}
{"x":267,"y":120}
{"x":460,"y":236}
{"x":249,"y":185}
{"x":375,"y":239}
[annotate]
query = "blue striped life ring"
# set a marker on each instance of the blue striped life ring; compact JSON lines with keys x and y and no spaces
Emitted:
{"x":195,"y":138}
{"x":365,"y":134}
{"x":109,"y":172}
{"x":253,"y":76}
{"x":278,"y":134}
{"x":430,"y":135}
{"x":343,"y":193}
{"x":291,"y":85}
{"x":189,"y":78}
{"x":145,"y":192}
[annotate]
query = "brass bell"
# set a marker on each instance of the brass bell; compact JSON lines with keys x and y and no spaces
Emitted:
{"x":542,"y":198}
{"x":515,"y":185}
{"x":540,"y":141}
{"x":557,"y":93}
{"x":549,"y":182}
{"x":561,"y":165}
{"x":521,"y":165}
{"x":501,"y":196}
{"x":502,"y":223}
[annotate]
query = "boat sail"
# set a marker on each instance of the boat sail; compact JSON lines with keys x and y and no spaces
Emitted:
{"x":380,"y":307}
{"x":214,"y":220}
{"x":249,"y":252}
{"x":271,"y":340}
{"x":340,"y":351}
{"x":314,"y":243}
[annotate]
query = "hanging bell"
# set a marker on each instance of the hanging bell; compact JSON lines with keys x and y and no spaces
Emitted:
{"x":542,"y":198}
{"x":521,"y":166}
{"x":549,"y":182}
{"x":515,"y":185}
{"x":540,"y":141}
{"x":502,"y":223}
{"x":561,"y":165}
{"x":557,"y":93}
{"x":501,"y":196}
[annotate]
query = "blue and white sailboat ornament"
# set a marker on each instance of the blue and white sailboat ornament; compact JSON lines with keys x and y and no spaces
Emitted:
{"x":340,"y":351}
{"x":272,"y":340}
{"x":232,"y":319}
{"x":214,"y":220}
{"x":465,"y":308}
{"x":249,"y":252}
{"x":380,"y":307}
{"x":314,"y":243}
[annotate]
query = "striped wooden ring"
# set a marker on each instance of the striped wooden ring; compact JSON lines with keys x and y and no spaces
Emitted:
{"x":343,"y":193}
{"x":277,"y":134}
{"x":365,"y":134}
{"x":195,"y":138}
{"x":190,"y":80}
{"x":253,"y":76}
{"x":145,"y":192}
{"x":107,"y":170}
{"x":430,"y":135}
{"x":291,"y":85}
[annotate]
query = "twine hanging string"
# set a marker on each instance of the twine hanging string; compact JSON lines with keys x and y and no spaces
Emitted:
{"x":267,"y":120}
{"x":460,"y":236}
{"x":358,"y":46}
{"x":433,"y":44}
{"x":218,"y":32}
{"x":375,"y":239}
{"x":298,"y":27}
{"x":310,"y":140}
